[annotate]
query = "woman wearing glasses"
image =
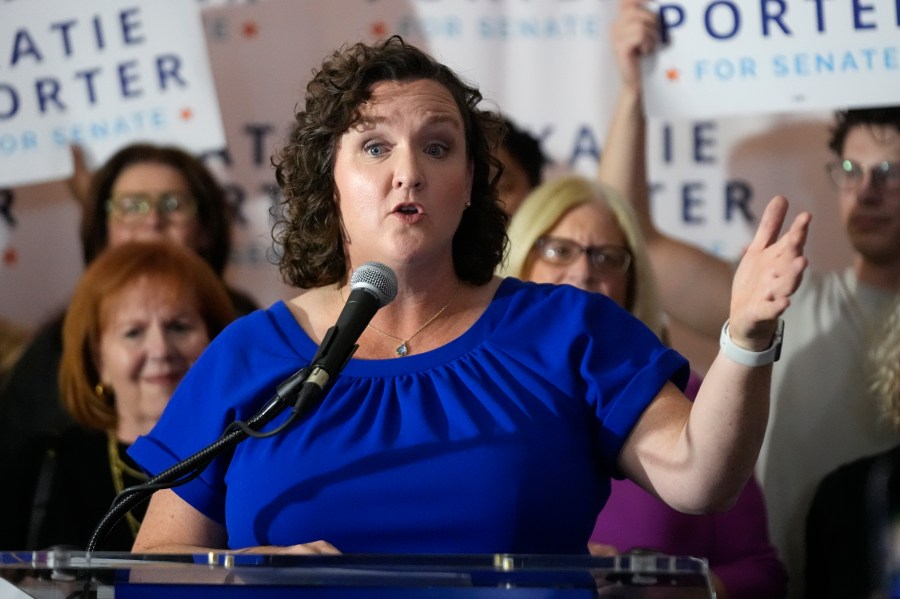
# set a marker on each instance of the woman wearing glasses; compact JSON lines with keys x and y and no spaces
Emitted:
{"x":823,"y":413}
{"x":143,"y":192}
{"x":151,"y":192}
{"x":573,"y":230}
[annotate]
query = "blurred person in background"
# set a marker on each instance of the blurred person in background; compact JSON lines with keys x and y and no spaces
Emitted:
{"x":823,"y":412}
{"x":141,"y":314}
{"x":142,"y":192}
{"x":853,"y":523}
{"x":523,"y":165}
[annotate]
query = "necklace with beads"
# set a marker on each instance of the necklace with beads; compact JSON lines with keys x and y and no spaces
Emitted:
{"x":403,"y":348}
{"x":118,"y":468}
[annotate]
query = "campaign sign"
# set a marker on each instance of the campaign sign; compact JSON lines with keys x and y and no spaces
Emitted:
{"x":100,"y":73}
{"x":724,"y":57}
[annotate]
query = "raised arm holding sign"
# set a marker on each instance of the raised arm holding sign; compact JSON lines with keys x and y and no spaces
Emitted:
{"x":822,"y":412}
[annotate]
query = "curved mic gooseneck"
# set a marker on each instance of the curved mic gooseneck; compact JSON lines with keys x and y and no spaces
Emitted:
{"x":373,"y":286}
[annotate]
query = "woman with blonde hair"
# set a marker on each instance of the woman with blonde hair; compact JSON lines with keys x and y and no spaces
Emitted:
{"x":547,"y":204}
{"x":575,"y":230}
{"x":886,"y":367}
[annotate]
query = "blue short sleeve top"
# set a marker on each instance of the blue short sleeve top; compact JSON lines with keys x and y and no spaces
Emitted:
{"x":501,"y":441}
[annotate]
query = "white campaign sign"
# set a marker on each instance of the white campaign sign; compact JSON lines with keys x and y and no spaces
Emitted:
{"x":546,"y":63}
{"x":727,"y":57}
{"x":100,"y":73}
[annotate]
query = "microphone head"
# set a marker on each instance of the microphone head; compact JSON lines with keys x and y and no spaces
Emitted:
{"x":376,"y":278}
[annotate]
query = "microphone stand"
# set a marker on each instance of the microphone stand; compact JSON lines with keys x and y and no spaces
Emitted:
{"x":306,"y":386}
{"x":191,"y":467}
{"x":375,"y":287}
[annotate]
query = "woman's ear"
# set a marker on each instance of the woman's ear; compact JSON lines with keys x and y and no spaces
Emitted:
{"x":101,"y":373}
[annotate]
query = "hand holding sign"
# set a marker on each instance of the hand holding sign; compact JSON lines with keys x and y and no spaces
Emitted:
{"x":101,"y":74}
{"x":724,"y":58}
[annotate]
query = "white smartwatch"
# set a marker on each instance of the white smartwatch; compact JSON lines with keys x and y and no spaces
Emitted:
{"x":752,"y":358}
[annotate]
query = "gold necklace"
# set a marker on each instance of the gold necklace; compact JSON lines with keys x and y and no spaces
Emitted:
{"x":117,"y":467}
{"x":403,"y":348}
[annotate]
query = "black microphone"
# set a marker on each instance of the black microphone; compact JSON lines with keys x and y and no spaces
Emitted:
{"x":372,"y":286}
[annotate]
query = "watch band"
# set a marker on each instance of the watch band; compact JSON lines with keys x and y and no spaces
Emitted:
{"x":752,"y":358}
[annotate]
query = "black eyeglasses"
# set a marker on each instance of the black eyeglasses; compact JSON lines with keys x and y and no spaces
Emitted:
{"x":604,"y":258}
{"x":848,"y":175}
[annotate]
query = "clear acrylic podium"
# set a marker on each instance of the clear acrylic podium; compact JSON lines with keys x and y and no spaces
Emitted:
{"x":77,"y":575}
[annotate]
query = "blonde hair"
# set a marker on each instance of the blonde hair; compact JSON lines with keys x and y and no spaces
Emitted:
{"x":885,"y":359}
{"x":550,"y":201}
{"x":168,"y":266}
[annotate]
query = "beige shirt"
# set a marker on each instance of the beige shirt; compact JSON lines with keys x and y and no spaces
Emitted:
{"x":823,"y":414}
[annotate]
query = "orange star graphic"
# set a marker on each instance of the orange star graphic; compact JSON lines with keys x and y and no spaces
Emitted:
{"x":10,"y":256}
{"x":379,"y":29}
{"x":250,"y":29}
{"x":186,"y":114}
{"x":673,"y":74}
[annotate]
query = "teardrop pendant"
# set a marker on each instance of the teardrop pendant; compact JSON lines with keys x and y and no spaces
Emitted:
{"x":402,"y":349}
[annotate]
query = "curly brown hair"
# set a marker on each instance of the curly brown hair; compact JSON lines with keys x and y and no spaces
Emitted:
{"x":845,"y":120}
{"x":308,"y":232}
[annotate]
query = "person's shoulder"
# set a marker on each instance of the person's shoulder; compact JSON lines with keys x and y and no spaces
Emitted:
{"x":243,"y":303}
{"x":47,"y":338}
{"x":821,"y":295}
{"x":815,"y":282}
{"x":546,"y":304}
{"x":857,"y":473}
{"x":75,"y":442}
{"x":530,"y":292}
{"x":276,"y":316}
{"x":260,"y":335}
{"x":829,"y":284}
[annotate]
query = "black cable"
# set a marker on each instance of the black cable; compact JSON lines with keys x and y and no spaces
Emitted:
{"x":192,"y":466}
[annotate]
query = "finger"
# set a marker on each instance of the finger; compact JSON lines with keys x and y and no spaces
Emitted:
{"x":799,"y":231}
{"x":639,"y":20}
{"x":635,"y":40}
{"x":791,"y":274}
{"x":77,"y":155}
{"x":601,"y":550}
{"x":770,"y":224}
{"x":788,"y":261}
{"x":630,"y":4}
{"x":322,"y":548}
{"x":783,"y":284}
{"x":637,"y":14}
{"x":791,"y":246}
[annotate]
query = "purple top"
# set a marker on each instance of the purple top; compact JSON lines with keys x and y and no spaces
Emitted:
{"x":735,"y":543}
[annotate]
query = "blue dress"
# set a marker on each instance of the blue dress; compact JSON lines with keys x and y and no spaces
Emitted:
{"x":502,"y":441}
